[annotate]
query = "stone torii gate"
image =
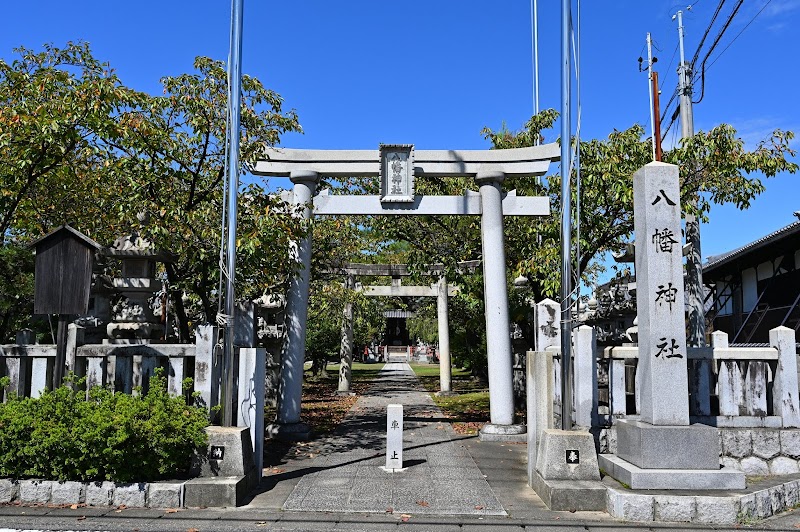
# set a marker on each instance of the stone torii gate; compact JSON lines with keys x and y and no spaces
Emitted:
{"x":397,"y":165}
{"x":441,"y":291}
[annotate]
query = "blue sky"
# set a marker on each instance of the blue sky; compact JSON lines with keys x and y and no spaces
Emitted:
{"x":433,"y":73}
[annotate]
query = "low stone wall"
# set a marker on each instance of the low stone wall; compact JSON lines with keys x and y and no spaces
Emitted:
{"x":135,"y":495}
{"x":761,"y":451}
{"x":701,"y":509}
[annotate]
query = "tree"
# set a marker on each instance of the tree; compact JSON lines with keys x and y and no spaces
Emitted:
{"x":171,"y":151}
{"x":55,"y":108}
{"x":76,"y":145}
{"x":714,"y":165}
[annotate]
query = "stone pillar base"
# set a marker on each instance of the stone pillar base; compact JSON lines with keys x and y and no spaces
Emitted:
{"x":493,"y":432}
{"x":669,"y":457}
{"x":668,"y":447}
{"x":567,"y":477}
{"x":671,"y":479}
{"x":445,"y":394}
{"x":289,"y":431}
{"x":345,"y":393}
{"x":227,"y":473}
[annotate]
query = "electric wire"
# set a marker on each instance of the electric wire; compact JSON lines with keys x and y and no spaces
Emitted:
{"x":738,"y":34}
{"x":576,"y":158}
{"x":535,"y":55}
{"x":713,"y":46}
{"x":674,"y":53}
{"x":706,"y":32}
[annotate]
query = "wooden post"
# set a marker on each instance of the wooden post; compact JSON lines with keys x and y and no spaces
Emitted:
{"x":61,"y":350}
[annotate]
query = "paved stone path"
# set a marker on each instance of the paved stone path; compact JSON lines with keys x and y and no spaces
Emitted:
{"x":440,"y":476}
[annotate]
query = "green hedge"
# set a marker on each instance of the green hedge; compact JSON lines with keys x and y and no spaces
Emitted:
{"x":111,"y":436}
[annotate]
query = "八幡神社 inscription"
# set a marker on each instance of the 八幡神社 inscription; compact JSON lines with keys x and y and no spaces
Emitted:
{"x":397,"y":173}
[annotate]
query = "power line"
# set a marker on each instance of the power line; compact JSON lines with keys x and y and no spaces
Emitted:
{"x":738,"y":34}
{"x":713,"y":46}
{"x":706,"y":32}
{"x":674,"y":52}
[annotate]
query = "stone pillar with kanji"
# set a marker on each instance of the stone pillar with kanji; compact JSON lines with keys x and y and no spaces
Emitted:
{"x":663,"y":450}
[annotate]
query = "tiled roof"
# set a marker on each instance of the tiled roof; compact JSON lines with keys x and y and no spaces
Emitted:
{"x":719,"y":260}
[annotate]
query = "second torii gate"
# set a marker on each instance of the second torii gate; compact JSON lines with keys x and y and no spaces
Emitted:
{"x":440,"y":290}
{"x":397,"y":165}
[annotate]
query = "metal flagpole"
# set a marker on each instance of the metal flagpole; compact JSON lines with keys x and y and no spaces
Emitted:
{"x":535,"y":51}
{"x":566,"y":270}
{"x":234,"y":109}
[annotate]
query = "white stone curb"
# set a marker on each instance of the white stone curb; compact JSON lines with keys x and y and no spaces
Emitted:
{"x":130,"y":495}
{"x":724,"y":510}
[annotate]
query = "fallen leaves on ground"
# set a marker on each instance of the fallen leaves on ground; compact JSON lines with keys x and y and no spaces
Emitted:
{"x":323,"y":409}
{"x":389,"y":510}
{"x":424,"y":504}
{"x":467,"y":427}
{"x":171,"y":510}
{"x":405,"y":517}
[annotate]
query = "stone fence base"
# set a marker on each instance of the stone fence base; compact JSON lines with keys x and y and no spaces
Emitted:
{"x":135,"y":495}
{"x":759,"y":502}
{"x":754,"y":451}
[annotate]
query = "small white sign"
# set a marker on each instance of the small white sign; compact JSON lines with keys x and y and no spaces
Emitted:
{"x":394,"y":437}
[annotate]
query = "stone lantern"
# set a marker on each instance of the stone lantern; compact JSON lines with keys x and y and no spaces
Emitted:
{"x":136,"y":313}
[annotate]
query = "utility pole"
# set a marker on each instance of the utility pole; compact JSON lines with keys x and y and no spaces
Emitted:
{"x":657,"y":117}
{"x":650,"y":89}
{"x":696,"y":335}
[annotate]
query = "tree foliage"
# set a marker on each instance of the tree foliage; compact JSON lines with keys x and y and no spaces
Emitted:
{"x":78,"y":146}
{"x":56,"y":106}
{"x":714,"y":166}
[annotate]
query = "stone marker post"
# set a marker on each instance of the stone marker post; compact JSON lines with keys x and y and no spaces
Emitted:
{"x":442,"y":319}
{"x":251,"y":394}
{"x":659,"y":295}
{"x":662,"y":451}
{"x":547,"y":319}
{"x":394,"y":437}
{"x":585,"y":376}
{"x":207,"y":364}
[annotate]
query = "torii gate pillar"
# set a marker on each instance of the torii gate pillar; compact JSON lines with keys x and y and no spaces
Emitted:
{"x":288,"y":426}
{"x":442,"y":318}
{"x":498,"y":340}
